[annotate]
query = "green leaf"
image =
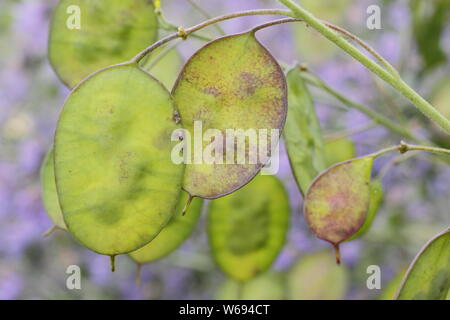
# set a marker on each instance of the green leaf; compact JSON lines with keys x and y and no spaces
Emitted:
{"x":110,"y":32}
{"x":248,"y":228}
{"x":316,"y":277}
{"x":337,"y":201}
{"x":376,"y":198}
{"x":391,"y":289}
{"x":339,"y":150}
{"x":428,"y":276}
{"x":302,"y":133}
{"x":164,"y":64}
{"x":267,"y":286}
{"x":173,"y":234}
{"x":116,"y":182}
{"x":231,"y":83}
{"x":49,"y":194}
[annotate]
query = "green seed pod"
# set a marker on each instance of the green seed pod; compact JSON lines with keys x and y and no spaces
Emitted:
{"x":232,"y":83}
{"x":390,"y":290}
{"x":172,"y":235}
{"x":164,"y":64}
{"x":316,"y":277}
{"x":428,"y":276}
{"x":339,"y":150}
{"x":302,"y":133}
{"x":247,"y":229}
{"x":376,"y":198}
{"x":267,"y":286}
{"x":87,"y":35}
{"x":49,"y":194}
{"x":337,"y":201}
{"x":116,"y":183}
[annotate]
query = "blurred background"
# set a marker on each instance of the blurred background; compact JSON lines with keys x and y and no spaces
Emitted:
{"x":415,"y":38}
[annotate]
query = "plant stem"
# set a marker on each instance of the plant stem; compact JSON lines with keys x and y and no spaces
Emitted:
{"x":377,"y":117}
{"x":383,"y":151}
{"x":273,"y":23}
{"x":393,"y":79}
{"x":346,"y":133}
{"x":184,"y":33}
{"x":152,"y":47}
{"x":405,"y":147}
{"x":206,"y":15}
{"x":168,"y":26}
{"x":163,"y":53}
{"x":367,"y":47}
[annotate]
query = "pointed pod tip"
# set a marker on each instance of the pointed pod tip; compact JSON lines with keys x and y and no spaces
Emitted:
{"x":49,"y":231}
{"x":113,"y":263}
{"x":138,"y":273}
{"x":337,"y":253}
{"x":186,"y":206}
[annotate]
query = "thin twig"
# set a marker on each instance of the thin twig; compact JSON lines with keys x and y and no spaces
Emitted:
{"x":206,"y":15}
{"x":346,"y":133}
{"x":392,"y":79}
{"x":404,"y":147}
{"x":184,"y":33}
{"x":313,"y":79}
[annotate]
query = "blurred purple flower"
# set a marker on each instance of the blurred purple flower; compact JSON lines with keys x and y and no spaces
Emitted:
{"x":10,"y":286}
{"x":350,"y":252}
{"x":31,"y":26}
{"x":388,"y":45}
{"x":13,"y":87}
{"x":99,"y":268}
{"x":399,"y":14}
{"x":16,"y":235}
{"x":31,"y":154}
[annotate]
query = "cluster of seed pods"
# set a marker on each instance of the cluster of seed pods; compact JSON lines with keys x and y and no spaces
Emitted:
{"x":109,"y":179}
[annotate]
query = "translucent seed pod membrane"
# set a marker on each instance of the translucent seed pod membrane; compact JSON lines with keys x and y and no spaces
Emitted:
{"x":116,"y":184}
{"x":232,"y":83}
{"x":87,"y":35}
{"x":248,"y":228}
{"x":337,"y":201}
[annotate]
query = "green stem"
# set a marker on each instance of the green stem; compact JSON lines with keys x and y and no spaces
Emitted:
{"x":377,"y":117}
{"x":273,"y":23}
{"x":347,"y":133}
{"x":206,"y":15}
{"x":393,"y":79}
{"x":158,"y":57}
{"x":383,"y":152}
{"x":366,"y":46}
{"x":184,"y":33}
{"x":166,"y":25}
{"x":405,"y":147}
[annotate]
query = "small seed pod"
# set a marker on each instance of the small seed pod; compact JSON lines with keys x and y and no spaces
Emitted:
{"x":337,"y":201}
